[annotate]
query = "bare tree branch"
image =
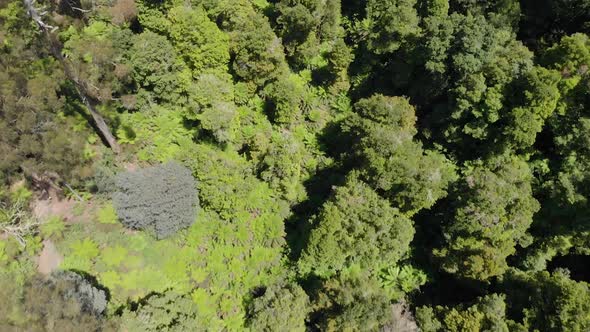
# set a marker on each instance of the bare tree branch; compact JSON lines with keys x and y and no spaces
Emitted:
{"x":15,"y":221}
{"x":36,"y":15}
{"x":80,"y":9}
{"x":78,"y":197}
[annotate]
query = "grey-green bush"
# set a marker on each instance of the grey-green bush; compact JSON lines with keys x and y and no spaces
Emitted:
{"x":162,"y":199}
{"x":91,"y":299}
{"x":65,"y":301}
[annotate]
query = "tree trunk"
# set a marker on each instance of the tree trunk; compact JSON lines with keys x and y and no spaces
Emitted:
{"x":101,"y":125}
{"x":103,"y":129}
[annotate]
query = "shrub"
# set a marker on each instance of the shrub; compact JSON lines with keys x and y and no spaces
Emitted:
{"x":21,"y":193}
{"x":86,"y":248}
{"x":162,"y":199}
{"x":53,"y":227}
{"x":281,"y":308}
{"x":104,"y":179}
{"x":91,"y":299}
{"x":113,"y":256}
{"x":65,"y":302}
{"x":107,"y":215}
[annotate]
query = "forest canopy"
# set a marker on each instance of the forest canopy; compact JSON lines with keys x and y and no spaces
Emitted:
{"x":295,"y":165}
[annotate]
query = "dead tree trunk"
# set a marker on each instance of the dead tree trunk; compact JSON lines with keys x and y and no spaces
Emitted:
{"x":99,"y":121}
{"x":103,"y":129}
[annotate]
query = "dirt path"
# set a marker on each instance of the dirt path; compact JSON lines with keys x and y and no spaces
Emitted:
{"x":49,"y":259}
{"x":43,"y":209}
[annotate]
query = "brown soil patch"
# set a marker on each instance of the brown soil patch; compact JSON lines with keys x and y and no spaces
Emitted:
{"x":43,"y":209}
{"x":403,"y":320}
{"x":46,"y":208}
{"x":49,"y":259}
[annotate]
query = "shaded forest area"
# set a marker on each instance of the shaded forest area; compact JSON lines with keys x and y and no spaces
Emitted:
{"x":295,"y":165}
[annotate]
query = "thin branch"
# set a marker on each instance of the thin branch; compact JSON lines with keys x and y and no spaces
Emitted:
{"x":73,"y":192}
{"x":80,"y":9}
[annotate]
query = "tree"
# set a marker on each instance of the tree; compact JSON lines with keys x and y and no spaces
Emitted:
{"x":36,"y":138}
{"x":203,"y":46}
{"x":162,"y":199}
{"x":339,"y":59}
{"x":153,"y":63}
{"x":353,"y":301}
{"x":211,"y":101}
{"x":488,"y":83}
{"x":391,"y":24}
{"x":488,"y":313}
{"x":545,"y":22}
{"x":87,"y":93}
{"x":505,"y":13}
{"x":285,"y":97}
{"x":492,"y":209}
{"x":564,"y":158}
{"x":472,"y":103}
{"x":398,"y":281}
{"x":296,"y":21}
{"x":307,"y":28}
{"x":356,"y":226}
{"x":571,"y":56}
{"x":280,"y":308}
{"x":90,"y":298}
{"x":95,"y":60}
{"x":282,"y":166}
{"x":123,"y":11}
{"x":256,"y":51}
{"x":169,"y":312}
{"x":536,"y":102}
{"x":550,"y":301}
{"x":391,"y":161}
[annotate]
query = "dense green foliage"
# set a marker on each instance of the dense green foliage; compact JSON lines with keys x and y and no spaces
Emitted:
{"x":166,"y":312}
{"x":493,"y":210}
{"x":392,"y":161}
{"x":280,"y":308}
{"x":486,"y":314}
{"x":295,"y":165}
{"x":356,"y":226}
